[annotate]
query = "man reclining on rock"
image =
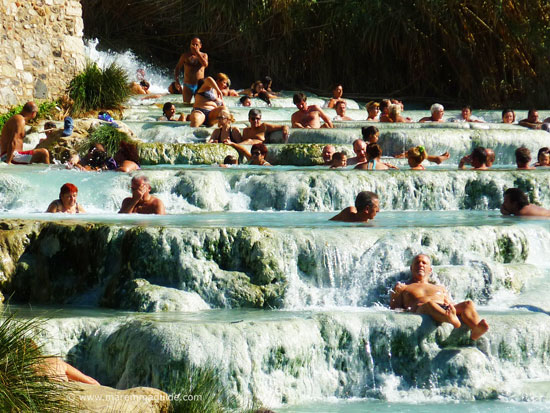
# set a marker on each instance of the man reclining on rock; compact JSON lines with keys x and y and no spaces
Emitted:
{"x":421,"y":297}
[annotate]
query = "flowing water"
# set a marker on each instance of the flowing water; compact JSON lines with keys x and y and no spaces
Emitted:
{"x":324,"y":339}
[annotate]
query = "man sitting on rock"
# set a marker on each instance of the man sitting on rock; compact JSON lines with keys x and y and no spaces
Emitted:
{"x":141,"y":201}
{"x":421,"y":297}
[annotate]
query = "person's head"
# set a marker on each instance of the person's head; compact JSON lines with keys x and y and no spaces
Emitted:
{"x":372,"y":109}
{"x":533,"y":116}
{"x":370,"y":134}
{"x":300,"y":100}
{"x":374,"y":151}
{"x":337,"y":91}
{"x":67,"y":195}
{"x":267,"y":81}
{"x":169,"y":110}
{"x":230,"y":160}
{"x":195,"y":43}
{"x":367,"y":201}
{"x":437,"y":110}
{"x":385,"y":105}
{"x":138,"y":181}
{"x":359,"y":147}
{"x":341,"y":108}
{"x":490,"y":157}
{"x":175,"y":88}
{"x":225,"y":118}
{"x":394,"y":111}
{"x":245,"y":101}
{"x":222,"y":80}
{"x":339,"y":160}
{"x":479,"y":157}
{"x":263,"y":95}
{"x":421,"y":267}
{"x":257,"y":87}
{"x":328,"y":152}
{"x":49,"y":127}
{"x":514,"y":200}
{"x":145,"y":85}
{"x":398,"y":102}
{"x":508,"y":116}
{"x":258,"y":152}
{"x":523,"y":156}
{"x":466,"y":112}
{"x":30,"y":110}
{"x":416,"y":156}
{"x":543,"y":157}
{"x":255,"y":117}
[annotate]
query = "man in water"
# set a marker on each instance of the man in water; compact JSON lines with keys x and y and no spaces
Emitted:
{"x":516,"y":203}
{"x":366,"y":207}
{"x":340,"y":108}
{"x":307,"y":117}
{"x":141,"y":201}
{"x":327,"y":153}
{"x":259,"y":132}
{"x":421,"y":297}
{"x":437,"y":110}
{"x":523,"y":158}
{"x":478,"y":159}
{"x":360,"y":149}
{"x":193,"y":62}
{"x":466,"y":116}
{"x":532,"y":120}
{"x":11,"y":141}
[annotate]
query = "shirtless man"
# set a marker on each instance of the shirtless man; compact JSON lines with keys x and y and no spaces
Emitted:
{"x":478,"y":159}
{"x":259,"y":132}
{"x":421,"y":297}
{"x":466,"y":116}
{"x":437,"y":110}
{"x":11,"y":141}
{"x":360,"y":149}
{"x":327,"y":153}
{"x":532,"y":120}
{"x":193,"y":62}
{"x":307,"y":117}
{"x":366,"y":207}
{"x":516,"y":203}
{"x":523,"y":158}
{"x":141,"y":202}
{"x":340,"y":108}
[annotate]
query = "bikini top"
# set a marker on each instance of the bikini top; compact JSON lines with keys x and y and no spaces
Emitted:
{"x":59,"y":206}
{"x":220,"y":134}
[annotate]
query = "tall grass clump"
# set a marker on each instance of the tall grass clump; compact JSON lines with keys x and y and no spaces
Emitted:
{"x":97,"y":88}
{"x":106,"y":135}
{"x":200,"y":386}
{"x":23,"y":385}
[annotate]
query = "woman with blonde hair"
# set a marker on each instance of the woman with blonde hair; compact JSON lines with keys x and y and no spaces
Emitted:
{"x":225,"y":132}
{"x":224,"y":83}
{"x":395,"y":114}
{"x":415,"y":157}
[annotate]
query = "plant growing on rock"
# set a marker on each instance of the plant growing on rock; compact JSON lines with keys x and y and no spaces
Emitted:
{"x":96,"y":88}
{"x":106,"y":135}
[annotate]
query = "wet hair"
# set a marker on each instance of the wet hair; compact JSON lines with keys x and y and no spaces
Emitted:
{"x":299,"y":97}
{"x":436,"y":107}
{"x":259,"y":146}
{"x":145,"y":83}
{"x":230,"y":160}
{"x":531,"y":111}
{"x":266,"y":80}
{"x":505,"y":111}
{"x":368,"y":131}
{"x":254,"y":112}
{"x":263,"y":95}
{"x":223,"y":76}
{"x":417,"y":154}
{"x":384,"y":103}
{"x":30,"y":107}
{"x":517,"y":196}
{"x":543,"y":151}
{"x":373,"y":151}
{"x":166,"y":107}
{"x":479,"y":154}
{"x":175,"y":89}
{"x":467,"y":107}
{"x":523,"y":156}
{"x":364,"y":200}
{"x":339,"y":156}
{"x":50,"y":125}
{"x":68,"y":188}
{"x":243,"y":99}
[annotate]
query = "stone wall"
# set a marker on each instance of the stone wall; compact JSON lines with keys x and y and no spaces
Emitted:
{"x":41,"y":48}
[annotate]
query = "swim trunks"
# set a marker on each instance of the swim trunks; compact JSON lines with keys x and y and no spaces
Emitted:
{"x":192,"y":87}
{"x":19,"y":158}
{"x":204,"y":111}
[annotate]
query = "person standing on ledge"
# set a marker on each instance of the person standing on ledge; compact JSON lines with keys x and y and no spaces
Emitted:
{"x":516,"y":203}
{"x":141,"y":201}
{"x":11,"y":140}
{"x":194,"y":62}
{"x":421,"y":297}
{"x":365,"y":209}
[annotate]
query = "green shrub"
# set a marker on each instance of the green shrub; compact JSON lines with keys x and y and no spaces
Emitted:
{"x":23,"y":384}
{"x":95,"y":89}
{"x":106,"y":135}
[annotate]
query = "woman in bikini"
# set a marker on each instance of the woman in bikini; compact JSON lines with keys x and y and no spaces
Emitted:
{"x":67,"y":201}
{"x":208,"y":103}
{"x":225,"y":132}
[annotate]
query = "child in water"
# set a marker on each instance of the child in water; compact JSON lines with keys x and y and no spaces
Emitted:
{"x":339,"y":160}
{"x":416,"y":156}
{"x":543,"y":157}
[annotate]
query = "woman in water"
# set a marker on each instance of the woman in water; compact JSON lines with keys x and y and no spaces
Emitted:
{"x":374,"y":153}
{"x":225,"y":132}
{"x":508,"y":116}
{"x":337,"y":92}
{"x":67,"y":201}
{"x":223,"y":82}
{"x":208,"y":103}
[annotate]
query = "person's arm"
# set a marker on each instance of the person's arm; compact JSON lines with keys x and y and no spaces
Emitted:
{"x":203,"y":57}
{"x":389,"y":165}
{"x":241,"y":149}
{"x":129,"y":204}
{"x":18,"y":136}
{"x":235,"y":135}
{"x":396,"y":296}
{"x":465,"y":160}
{"x":400,"y":155}
{"x":81,"y":210}
{"x":52,"y":207}
{"x":295,"y":123}
{"x":274,"y":128}
{"x":438,"y":158}
{"x":74,"y":374}
{"x":214,"y":138}
{"x":210,"y":83}
{"x":425,"y":119}
{"x":325,"y":118}
{"x":178,"y":68}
